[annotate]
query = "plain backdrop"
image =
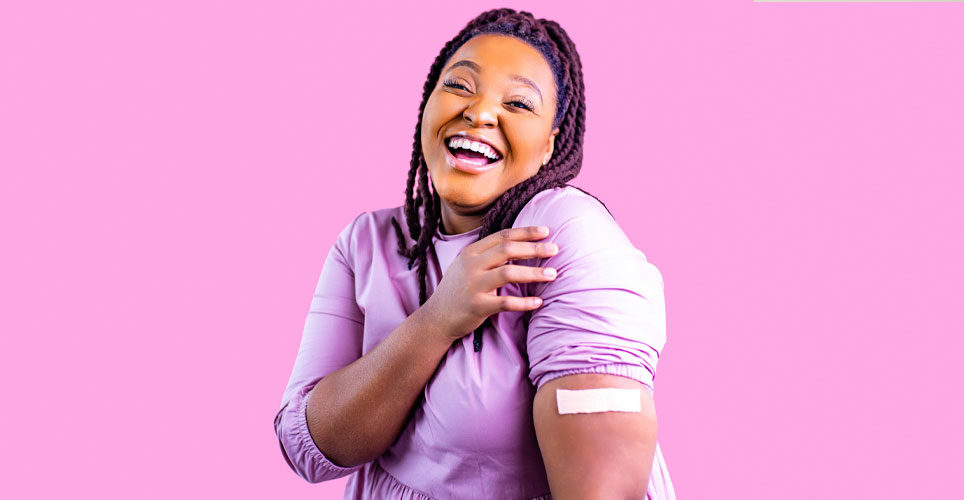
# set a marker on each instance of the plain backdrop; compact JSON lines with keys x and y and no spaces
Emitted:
{"x":174,"y":173}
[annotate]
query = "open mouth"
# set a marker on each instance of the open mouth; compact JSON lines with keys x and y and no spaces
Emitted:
{"x":472,"y":152}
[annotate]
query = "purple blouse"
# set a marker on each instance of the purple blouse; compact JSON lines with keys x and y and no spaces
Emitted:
{"x":473,"y":435}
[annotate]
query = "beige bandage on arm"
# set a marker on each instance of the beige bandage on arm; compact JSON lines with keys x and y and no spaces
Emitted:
{"x":598,"y":400}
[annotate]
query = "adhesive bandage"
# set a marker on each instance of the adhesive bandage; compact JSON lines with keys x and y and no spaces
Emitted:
{"x":598,"y":400}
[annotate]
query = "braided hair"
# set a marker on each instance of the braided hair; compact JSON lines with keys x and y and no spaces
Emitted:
{"x":570,"y":117}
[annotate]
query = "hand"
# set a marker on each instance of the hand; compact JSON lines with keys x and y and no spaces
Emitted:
{"x":466,"y":296}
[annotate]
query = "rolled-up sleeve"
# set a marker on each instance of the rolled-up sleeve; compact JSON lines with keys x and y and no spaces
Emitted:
{"x":332,"y":339}
{"x":605,"y":311}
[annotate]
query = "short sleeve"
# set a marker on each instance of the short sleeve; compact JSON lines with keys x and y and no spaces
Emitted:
{"x":332,"y":339}
{"x":604,"y":312}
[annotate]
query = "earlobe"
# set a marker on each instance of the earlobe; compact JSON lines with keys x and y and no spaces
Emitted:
{"x":552,"y":145}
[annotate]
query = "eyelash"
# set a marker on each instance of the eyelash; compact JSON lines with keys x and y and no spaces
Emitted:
{"x":523,"y":101}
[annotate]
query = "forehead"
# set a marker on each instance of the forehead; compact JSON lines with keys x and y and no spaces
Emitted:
{"x":506,"y":54}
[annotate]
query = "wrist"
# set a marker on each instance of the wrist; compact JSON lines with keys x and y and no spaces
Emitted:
{"x":430,"y":327}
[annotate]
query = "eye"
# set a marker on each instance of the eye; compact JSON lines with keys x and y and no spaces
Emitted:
{"x":523,"y":103}
{"x":454,"y":84}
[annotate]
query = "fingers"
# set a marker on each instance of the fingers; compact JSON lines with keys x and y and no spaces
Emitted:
{"x":512,"y":303}
{"x":510,"y":273}
{"x":526,"y":233}
{"x":491,"y":255}
{"x":515,"y":246}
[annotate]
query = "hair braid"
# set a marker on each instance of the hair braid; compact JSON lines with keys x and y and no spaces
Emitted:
{"x":570,"y":117}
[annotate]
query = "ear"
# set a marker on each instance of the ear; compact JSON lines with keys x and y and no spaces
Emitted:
{"x":552,"y":145}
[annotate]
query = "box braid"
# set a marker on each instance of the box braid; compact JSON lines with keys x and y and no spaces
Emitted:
{"x":570,"y":117}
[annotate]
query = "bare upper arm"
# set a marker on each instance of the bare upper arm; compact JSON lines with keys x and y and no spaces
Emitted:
{"x":595,"y":455}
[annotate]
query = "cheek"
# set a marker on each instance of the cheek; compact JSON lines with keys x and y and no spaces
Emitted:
{"x":528,"y":143}
{"x":437,"y":112}
{"x":429,"y":125}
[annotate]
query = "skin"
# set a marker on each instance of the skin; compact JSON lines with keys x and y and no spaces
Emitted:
{"x":603,"y":455}
{"x":606,"y":455}
{"x":488,"y":103}
{"x":355,"y":413}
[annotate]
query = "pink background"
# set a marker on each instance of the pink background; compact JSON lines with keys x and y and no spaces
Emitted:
{"x":173,"y":174}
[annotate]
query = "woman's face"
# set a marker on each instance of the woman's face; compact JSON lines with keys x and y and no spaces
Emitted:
{"x":495,"y":90}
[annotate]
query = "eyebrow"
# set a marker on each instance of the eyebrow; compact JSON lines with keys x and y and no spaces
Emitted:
{"x":518,"y":78}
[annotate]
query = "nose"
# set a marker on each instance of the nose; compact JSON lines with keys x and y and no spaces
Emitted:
{"x":481,"y":113}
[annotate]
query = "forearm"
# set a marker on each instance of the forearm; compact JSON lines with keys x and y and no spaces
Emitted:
{"x":355,"y":413}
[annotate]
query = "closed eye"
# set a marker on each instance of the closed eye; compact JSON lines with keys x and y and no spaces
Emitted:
{"x":454,"y":84}
{"x":523,"y":103}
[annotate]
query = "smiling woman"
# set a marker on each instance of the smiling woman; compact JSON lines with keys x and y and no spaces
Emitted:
{"x":490,"y":100}
{"x":395,"y":390}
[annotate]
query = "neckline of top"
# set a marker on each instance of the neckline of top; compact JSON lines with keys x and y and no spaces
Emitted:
{"x":459,"y":236}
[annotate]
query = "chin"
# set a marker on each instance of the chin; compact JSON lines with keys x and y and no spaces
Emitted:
{"x":464,"y":198}
{"x":457,"y":188}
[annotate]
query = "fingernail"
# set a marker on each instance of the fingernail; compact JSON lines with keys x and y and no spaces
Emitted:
{"x":549,"y":272}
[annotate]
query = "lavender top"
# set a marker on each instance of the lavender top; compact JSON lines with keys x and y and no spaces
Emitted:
{"x":472,"y":435}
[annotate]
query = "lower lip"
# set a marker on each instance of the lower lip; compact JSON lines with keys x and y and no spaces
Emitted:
{"x":468,"y":167}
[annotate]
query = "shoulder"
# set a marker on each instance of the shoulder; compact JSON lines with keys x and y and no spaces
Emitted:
{"x":561,"y":203}
{"x":373,"y":225}
{"x":372,"y":232}
{"x":593,"y":248}
{"x":574,"y":213}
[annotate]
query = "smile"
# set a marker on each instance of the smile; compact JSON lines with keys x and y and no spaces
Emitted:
{"x":471,"y":156}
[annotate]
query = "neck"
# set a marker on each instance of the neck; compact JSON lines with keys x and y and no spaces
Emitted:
{"x":455,"y":223}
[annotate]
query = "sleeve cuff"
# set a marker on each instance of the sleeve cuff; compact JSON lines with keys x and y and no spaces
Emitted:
{"x":301,"y":430}
{"x":635,"y":372}
{"x":303,"y":455}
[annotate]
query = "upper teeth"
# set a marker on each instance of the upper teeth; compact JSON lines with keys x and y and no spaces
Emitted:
{"x":458,"y":142}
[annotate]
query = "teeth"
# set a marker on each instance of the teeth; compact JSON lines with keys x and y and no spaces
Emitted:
{"x":459,"y":143}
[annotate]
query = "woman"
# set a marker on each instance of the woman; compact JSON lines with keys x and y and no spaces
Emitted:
{"x":506,"y":255}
